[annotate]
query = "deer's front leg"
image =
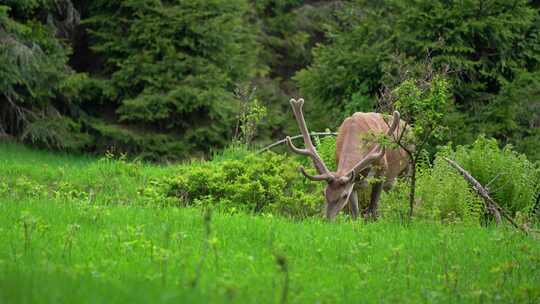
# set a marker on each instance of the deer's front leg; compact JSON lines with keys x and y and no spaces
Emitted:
{"x":353,"y":204}
{"x":374,"y":203}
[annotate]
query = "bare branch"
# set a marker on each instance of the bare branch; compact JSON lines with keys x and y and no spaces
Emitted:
{"x":282,"y":141}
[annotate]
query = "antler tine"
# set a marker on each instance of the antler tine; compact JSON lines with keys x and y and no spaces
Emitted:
{"x":294,"y":148}
{"x":320,"y":177}
{"x":373,"y":155}
{"x":395,"y":123}
{"x":309,"y":147}
{"x":368,"y":159}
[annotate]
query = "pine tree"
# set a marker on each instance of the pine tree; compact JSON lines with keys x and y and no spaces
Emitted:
{"x":33,"y":75}
{"x":172,"y":67}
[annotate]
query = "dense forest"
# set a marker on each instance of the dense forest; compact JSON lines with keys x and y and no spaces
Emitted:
{"x":143,"y":151}
{"x":168,"y":79}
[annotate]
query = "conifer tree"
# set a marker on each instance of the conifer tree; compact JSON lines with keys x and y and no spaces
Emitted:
{"x":172,"y":67}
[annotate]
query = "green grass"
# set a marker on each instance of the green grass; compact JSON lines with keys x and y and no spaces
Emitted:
{"x":60,"y":245}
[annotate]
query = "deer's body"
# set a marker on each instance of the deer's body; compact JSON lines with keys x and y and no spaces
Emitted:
{"x":358,"y":155}
{"x":352,"y":147}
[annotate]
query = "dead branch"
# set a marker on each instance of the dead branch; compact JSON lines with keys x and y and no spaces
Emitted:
{"x":295,"y":137}
{"x":491,"y":205}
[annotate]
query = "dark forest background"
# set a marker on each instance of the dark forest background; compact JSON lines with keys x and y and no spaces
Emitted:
{"x":166,"y":80}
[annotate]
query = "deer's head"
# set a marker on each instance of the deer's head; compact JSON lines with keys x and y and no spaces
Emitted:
{"x":338,"y":186}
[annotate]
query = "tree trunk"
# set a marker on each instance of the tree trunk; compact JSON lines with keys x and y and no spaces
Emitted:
{"x":412,"y":189}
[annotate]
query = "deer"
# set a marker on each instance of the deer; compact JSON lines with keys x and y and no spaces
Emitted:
{"x":357,"y":159}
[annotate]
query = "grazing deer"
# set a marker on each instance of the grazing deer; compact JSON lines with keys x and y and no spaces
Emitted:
{"x":357,"y":159}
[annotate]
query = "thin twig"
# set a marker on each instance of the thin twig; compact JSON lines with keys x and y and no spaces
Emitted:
{"x":494,"y":179}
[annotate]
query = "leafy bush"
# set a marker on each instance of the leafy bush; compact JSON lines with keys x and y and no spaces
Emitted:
{"x":443,"y":194}
{"x":259,"y":183}
{"x":511,"y":178}
{"x":326,"y":146}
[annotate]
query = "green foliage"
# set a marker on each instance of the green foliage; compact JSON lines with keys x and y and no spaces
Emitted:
{"x":145,"y":145}
{"x":32,"y":69}
{"x":512,"y":180}
{"x":56,"y":132}
{"x":156,"y":78}
{"x":422,"y":108}
{"x":515,"y":117}
{"x":267,"y":183}
{"x":249,"y":118}
{"x":444,"y":195}
{"x":326,"y":147}
{"x":289,"y":30}
{"x":487,"y":45}
{"x":341,"y":80}
{"x":38,"y":91}
{"x":173,"y":64}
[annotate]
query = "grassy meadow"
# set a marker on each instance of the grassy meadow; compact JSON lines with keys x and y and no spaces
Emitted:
{"x":75,"y":229}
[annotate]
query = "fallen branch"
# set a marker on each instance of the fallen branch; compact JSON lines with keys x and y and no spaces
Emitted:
{"x":491,"y":205}
{"x":295,"y":137}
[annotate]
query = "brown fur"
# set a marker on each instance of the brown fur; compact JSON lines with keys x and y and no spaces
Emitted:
{"x":352,"y":146}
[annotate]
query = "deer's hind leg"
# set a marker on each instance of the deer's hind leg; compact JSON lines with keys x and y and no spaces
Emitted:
{"x":353,"y":204}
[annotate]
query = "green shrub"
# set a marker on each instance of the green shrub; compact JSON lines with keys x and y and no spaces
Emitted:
{"x":326,"y":146}
{"x":443,"y":194}
{"x":510,"y":177}
{"x":258,"y":183}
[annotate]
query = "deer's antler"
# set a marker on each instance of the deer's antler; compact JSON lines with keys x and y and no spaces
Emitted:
{"x":321,"y":177}
{"x":324,"y":173}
